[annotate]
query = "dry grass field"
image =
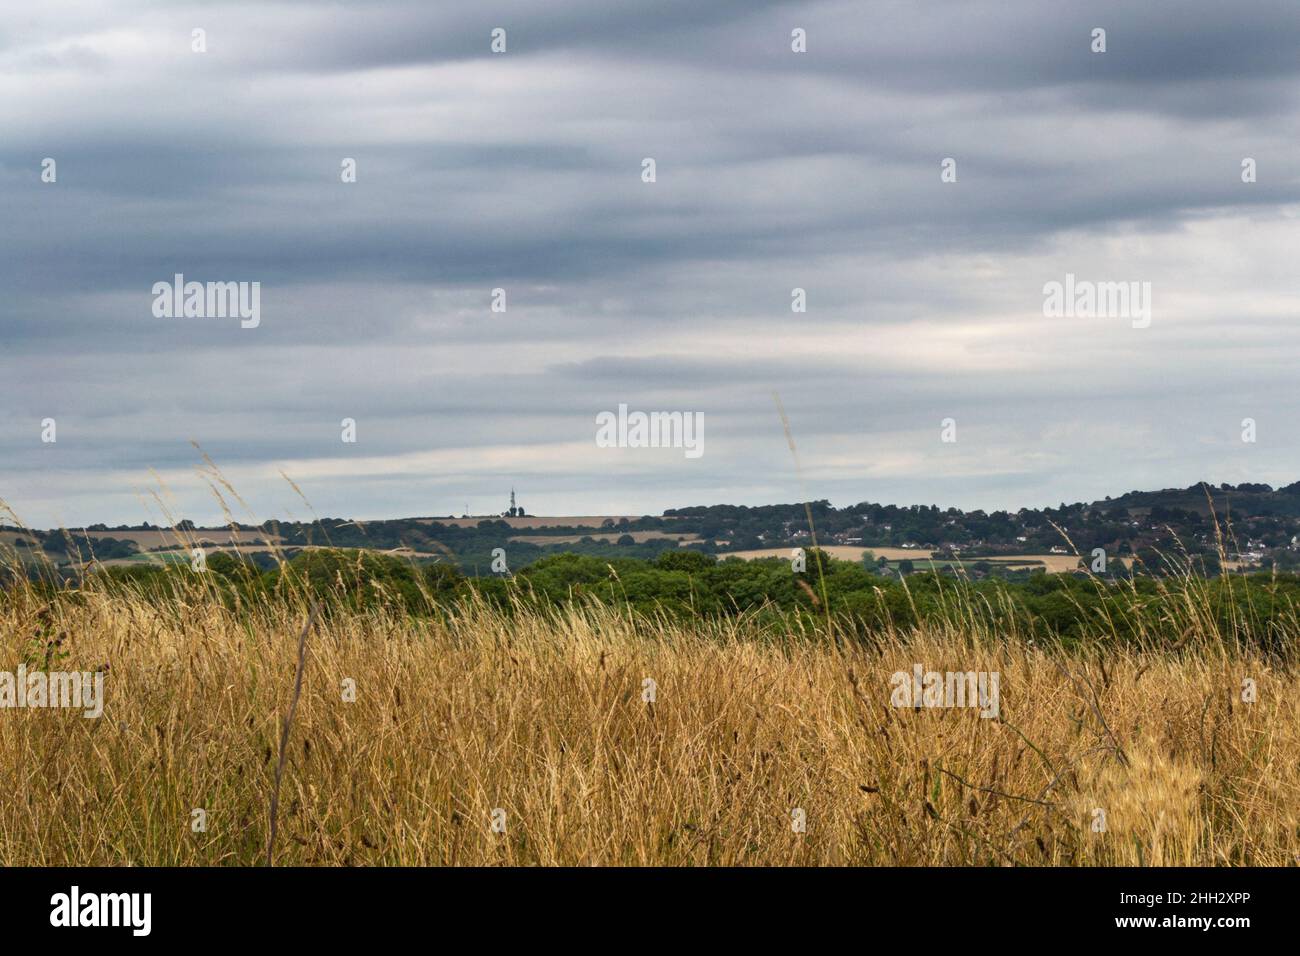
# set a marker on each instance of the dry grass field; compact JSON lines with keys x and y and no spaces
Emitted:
{"x":169,"y":538}
{"x":1053,"y":563}
{"x":606,"y":536}
{"x":533,"y":521}
{"x":540,"y":718}
{"x":842,"y":551}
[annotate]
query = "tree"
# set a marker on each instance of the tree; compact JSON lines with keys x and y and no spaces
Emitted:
{"x":685,"y":560}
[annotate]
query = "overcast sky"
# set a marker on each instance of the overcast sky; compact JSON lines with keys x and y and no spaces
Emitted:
{"x":523,"y":170}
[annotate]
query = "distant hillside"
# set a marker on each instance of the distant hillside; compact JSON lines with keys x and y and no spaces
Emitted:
{"x":1243,"y":500}
{"x":1250,"y":524}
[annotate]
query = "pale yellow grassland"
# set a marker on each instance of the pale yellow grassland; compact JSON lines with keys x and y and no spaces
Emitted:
{"x":542,"y":715}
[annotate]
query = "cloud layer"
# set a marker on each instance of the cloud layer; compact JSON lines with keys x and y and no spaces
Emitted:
{"x":522,"y":171}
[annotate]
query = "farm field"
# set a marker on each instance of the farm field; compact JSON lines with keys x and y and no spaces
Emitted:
{"x":150,"y":540}
{"x":533,"y":521}
{"x":843,"y":552}
{"x":167,"y":537}
{"x":1054,"y":563}
{"x":603,"y":535}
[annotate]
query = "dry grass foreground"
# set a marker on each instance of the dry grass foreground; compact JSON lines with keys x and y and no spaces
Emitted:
{"x":543,"y":717}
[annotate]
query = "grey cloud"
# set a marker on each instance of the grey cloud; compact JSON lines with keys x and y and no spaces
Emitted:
{"x":776,"y":170}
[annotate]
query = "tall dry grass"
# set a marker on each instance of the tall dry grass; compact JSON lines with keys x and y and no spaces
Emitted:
{"x":541,"y":714}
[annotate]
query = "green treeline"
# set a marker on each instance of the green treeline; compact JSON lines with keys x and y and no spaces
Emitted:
{"x":1258,"y":609}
